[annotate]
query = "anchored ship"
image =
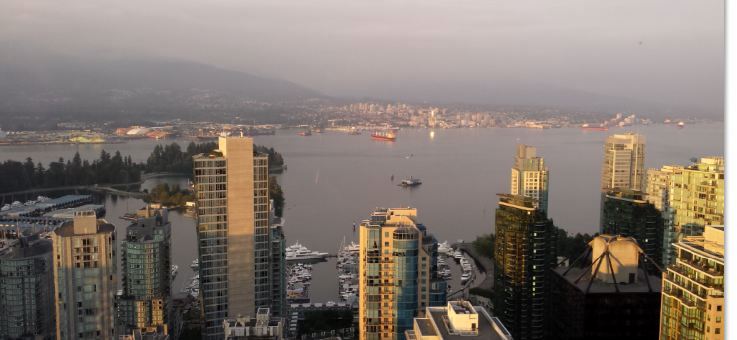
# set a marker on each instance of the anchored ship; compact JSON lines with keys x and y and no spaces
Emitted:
{"x":385,"y":135}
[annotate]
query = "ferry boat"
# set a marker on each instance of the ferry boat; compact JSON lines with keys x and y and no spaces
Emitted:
{"x":386,"y":135}
{"x":587,"y":127}
{"x":298,"y":252}
{"x":410,"y":182}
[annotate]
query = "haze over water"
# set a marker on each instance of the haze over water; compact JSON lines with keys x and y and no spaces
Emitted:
{"x":334,"y":180}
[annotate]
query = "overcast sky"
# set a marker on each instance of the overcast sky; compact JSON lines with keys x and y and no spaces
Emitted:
{"x":665,"y":51}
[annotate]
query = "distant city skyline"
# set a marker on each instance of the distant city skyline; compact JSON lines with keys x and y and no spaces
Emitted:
{"x":670,"y":55}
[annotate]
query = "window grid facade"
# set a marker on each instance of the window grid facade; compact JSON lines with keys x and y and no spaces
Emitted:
{"x":398,"y":273}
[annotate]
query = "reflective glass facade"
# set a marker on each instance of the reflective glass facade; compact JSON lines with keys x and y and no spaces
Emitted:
{"x":27,"y":291}
{"x":398,"y":273}
{"x":146,"y":262}
{"x":524,"y":253}
{"x":625,"y":213}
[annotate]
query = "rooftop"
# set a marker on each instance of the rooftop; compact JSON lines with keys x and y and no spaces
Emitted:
{"x":436,"y":323}
{"x":31,"y":246}
{"x":426,"y":327}
{"x":67,"y":229}
{"x":583,"y":275}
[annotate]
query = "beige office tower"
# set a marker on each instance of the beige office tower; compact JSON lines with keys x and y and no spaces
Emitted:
{"x":692,"y":304}
{"x":624,"y":162}
{"x":530,"y":176}
{"x":85,"y":278}
{"x":397,"y":274}
{"x":231,"y":184}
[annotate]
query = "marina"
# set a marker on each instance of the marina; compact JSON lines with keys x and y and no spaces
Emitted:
{"x":299,"y":279}
{"x":347,"y":267}
{"x":193,"y":285}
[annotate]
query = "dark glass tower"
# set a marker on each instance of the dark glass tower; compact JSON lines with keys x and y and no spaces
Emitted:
{"x":627,"y":213}
{"x":26,"y":289}
{"x":146,"y":251}
{"x":524,"y":254}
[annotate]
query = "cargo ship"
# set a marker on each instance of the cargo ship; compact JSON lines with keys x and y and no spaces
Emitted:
{"x":387,"y":135}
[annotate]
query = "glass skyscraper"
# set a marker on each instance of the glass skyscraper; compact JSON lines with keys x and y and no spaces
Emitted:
{"x":146,"y":254}
{"x":26,"y":289}
{"x":626,"y":213}
{"x":524,"y":253}
{"x":398,"y":273}
{"x":278,"y":272}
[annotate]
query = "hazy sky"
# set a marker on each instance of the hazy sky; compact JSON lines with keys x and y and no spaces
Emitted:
{"x":665,"y":51}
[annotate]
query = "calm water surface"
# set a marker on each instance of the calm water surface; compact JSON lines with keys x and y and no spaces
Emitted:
{"x":334,"y":180}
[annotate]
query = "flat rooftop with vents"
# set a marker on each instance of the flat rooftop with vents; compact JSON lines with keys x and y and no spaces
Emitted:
{"x":458,"y":320}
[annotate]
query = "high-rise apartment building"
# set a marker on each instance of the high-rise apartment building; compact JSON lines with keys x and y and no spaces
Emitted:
{"x":278,"y":271}
{"x":657,"y":185}
{"x":624,"y":162}
{"x":530,"y":176}
{"x":692,"y":305}
{"x":606,"y":294}
{"x":626,"y":213}
{"x":85,"y":278}
{"x":524,"y":254}
{"x":231,"y":184}
{"x":26,"y":289}
{"x":144,"y":304}
{"x":397,"y":273}
{"x":696,"y":198}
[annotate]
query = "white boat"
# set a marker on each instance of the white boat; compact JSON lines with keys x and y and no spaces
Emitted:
{"x":444,"y":248}
{"x":297,"y":252}
{"x":353,"y":247}
{"x":195,"y":265}
{"x":174,"y":271}
{"x":410,"y":182}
